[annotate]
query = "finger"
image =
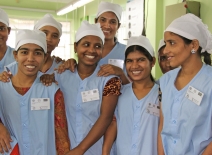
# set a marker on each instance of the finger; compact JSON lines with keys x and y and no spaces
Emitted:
{"x":4,"y":146}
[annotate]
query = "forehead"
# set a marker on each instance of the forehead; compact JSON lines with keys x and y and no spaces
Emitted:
{"x":170,"y":35}
{"x":30,"y":46}
{"x":91,"y":39}
{"x":109,"y":15}
{"x":135,"y":54}
{"x":50,"y":29}
{"x":2,"y":24}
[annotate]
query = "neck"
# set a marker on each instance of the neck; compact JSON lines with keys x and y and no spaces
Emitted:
{"x":3,"y":49}
{"x":47,"y":64}
{"x":108,"y":46}
{"x":20,"y":80}
{"x":85,"y":71}
{"x":143,"y":84}
{"x":189,"y":69}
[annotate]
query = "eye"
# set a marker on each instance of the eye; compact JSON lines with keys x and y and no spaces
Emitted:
{"x":128,"y":61}
{"x":113,"y":21}
{"x":3,"y":28}
{"x":102,"y":20}
{"x":54,"y":36}
{"x":163,"y":58}
{"x":141,"y":59}
{"x":24,"y":52}
{"x":98,"y":46}
{"x":38,"y":52}
{"x":86,"y":44}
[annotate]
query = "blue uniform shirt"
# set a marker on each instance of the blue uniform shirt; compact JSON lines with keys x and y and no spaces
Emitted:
{"x":136,"y":129}
{"x":81,"y":115}
{"x":7,"y":59}
{"x":187,"y":127}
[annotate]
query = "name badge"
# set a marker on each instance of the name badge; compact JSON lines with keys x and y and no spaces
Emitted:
{"x":40,"y":103}
{"x":116,"y":62}
{"x":194,"y":95}
{"x":153,"y":109}
{"x":90,"y":95}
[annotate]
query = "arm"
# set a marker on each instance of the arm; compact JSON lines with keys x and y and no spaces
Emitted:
{"x":61,"y":128}
{"x":108,"y":69}
{"x":109,"y":101}
{"x":109,"y":137}
{"x":160,"y":144}
{"x":208,"y":150}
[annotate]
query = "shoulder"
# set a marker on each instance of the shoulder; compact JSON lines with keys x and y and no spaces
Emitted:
{"x":121,"y":46}
{"x":168,"y":76}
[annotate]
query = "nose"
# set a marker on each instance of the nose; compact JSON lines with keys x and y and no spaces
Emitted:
{"x":30,"y":57}
{"x":134,"y":64}
{"x":48,"y":38}
{"x":166,"y":50}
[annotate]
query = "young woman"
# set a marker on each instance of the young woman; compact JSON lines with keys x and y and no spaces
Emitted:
{"x":162,"y":59}
{"x":186,"y":110}
{"x":90,"y":100}
{"x":137,"y":111}
{"x":53,"y":31}
{"x":6,"y":52}
{"x":112,"y":61}
{"x":32,"y":113}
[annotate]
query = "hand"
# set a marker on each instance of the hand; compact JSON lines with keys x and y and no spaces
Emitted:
{"x":108,"y":69}
{"x":5,"y":139}
{"x":75,"y":151}
{"x":47,"y":79}
{"x":5,"y":76}
{"x":57,"y":59}
{"x":69,"y":64}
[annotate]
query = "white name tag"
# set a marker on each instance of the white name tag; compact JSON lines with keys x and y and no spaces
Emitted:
{"x":194,"y":95}
{"x":40,"y":103}
{"x":116,"y":62}
{"x":153,"y":109}
{"x":90,"y":95}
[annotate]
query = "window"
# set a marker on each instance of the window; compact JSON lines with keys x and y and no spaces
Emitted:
{"x":63,"y":50}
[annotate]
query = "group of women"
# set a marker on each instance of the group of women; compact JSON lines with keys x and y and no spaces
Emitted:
{"x":100,"y":106}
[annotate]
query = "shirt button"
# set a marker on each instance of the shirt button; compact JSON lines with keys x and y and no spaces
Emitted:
{"x":22,"y":103}
{"x":78,"y":105}
{"x":81,"y":87}
{"x":174,"y":141}
{"x":24,"y":125}
{"x":25,"y":146}
{"x":174,"y":121}
{"x":135,"y":126}
{"x":134,"y":146}
{"x":137,"y":106}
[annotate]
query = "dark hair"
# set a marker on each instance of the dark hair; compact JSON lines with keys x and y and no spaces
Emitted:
{"x":206,"y":56}
{"x":141,"y":50}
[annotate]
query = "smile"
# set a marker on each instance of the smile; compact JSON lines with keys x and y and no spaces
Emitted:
{"x":90,"y":56}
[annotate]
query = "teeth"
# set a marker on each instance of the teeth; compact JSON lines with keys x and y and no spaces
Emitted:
{"x":136,"y":72}
{"x":30,"y":67}
{"x":106,"y":31}
{"x":90,"y":56}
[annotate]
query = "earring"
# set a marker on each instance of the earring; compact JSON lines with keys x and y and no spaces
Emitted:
{"x":193,"y":51}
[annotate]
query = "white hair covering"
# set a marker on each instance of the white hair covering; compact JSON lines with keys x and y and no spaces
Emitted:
{"x":89,"y":29}
{"x":161,"y":44}
{"x":48,"y":20}
{"x":4,"y":17}
{"x":192,"y":27}
{"x":31,"y":36}
{"x":106,"y":7}
{"x":143,"y":42}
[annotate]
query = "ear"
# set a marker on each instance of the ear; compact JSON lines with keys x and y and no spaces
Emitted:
{"x":195,"y":45}
{"x":153,"y":62}
{"x":75,"y":47}
{"x":9,"y":29}
{"x":119,"y":25}
{"x":95,"y":20}
{"x":15,"y":54}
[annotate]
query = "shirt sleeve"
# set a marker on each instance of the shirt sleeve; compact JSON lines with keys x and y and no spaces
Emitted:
{"x":112,"y":87}
{"x":61,"y":128}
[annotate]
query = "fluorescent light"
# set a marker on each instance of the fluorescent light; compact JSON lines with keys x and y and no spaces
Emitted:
{"x":73,"y":6}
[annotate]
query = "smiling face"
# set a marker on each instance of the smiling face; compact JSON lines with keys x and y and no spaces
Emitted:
{"x":177,"y":52}
{"x":4,"y":33}
{"x":138,"y":66}
{"x":30,"y":58}
{"x":52,"y":37}
{"x":109,"y":24}
{"x":89,"y":50}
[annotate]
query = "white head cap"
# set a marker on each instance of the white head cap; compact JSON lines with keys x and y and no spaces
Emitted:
{"x":143,"y":42}
{"x":48,"y":20}
{"x":106,"y":7}
{"x":4,"y":17}
{"x":191,"y":27}
{"x":89,"y":29}
{"x":161,"y":44}
{"x":31,"y":36}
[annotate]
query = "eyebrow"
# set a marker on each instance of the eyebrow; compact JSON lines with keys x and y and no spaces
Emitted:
{"x":53,"y":32}
{"x":37,"y":49}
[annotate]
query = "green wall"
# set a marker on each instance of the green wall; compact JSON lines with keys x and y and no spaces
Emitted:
{"x":155,"y":14}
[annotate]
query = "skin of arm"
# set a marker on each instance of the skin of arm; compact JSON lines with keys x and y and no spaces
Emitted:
{"x":99,"y":128}
{"x":160,"y":144}
{"x":61,"y":127}
{"x":208,"y":150}
{"x":109,"y":138}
